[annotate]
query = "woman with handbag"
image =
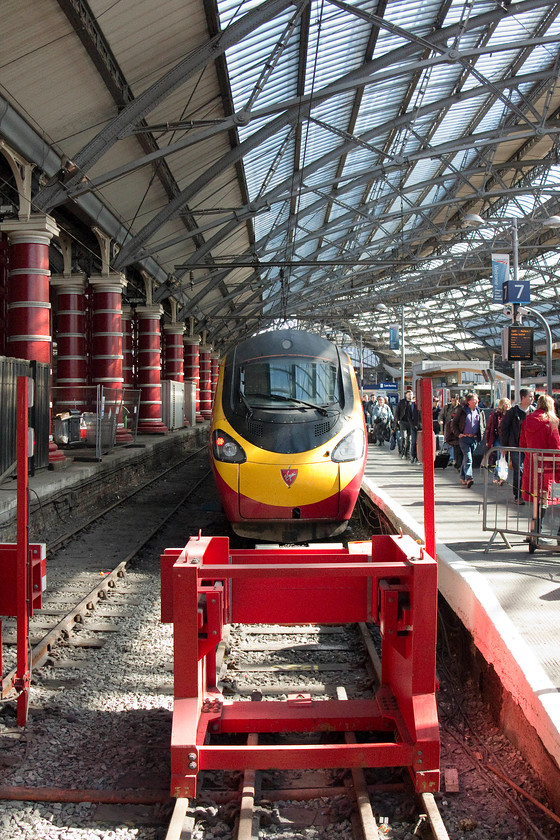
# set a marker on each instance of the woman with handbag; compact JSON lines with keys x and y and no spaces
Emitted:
{"x":492,"y":433}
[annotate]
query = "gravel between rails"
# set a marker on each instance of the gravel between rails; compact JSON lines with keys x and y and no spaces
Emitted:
{"x":107,"y":725}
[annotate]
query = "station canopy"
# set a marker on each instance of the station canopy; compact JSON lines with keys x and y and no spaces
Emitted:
{"x":334,"y":164}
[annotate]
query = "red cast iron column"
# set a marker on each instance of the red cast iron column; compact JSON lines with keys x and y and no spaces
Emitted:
{"x":126,"y":321}
{"x":215,"y":369}
{"x":205,"y":382}
{"x":3,"y":292}
{"x":71,"y":358}
{"x":192,"y":367}
{"x":129,"y":404}
{"x":149,"y":369}
{"x":106,"y":341}
{"x":174,"y":362}
{"x":29,"y":309}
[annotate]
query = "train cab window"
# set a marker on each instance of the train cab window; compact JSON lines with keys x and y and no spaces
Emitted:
{"x":310,"y":381}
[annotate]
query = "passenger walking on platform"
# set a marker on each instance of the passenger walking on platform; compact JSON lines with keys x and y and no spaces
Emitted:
{"x":539,"y":431}
{"x":404,"y":416}
{"x":445,"y":418}
{"x":382,"y":418}
{"x":492,"y":434}
{"x":436,"y":410}
{"x":364,"y":406}
{"x":369,"y":412}
{"x":468,"y":426}
{"x":416,"y":425}
{"x":510,"y":430}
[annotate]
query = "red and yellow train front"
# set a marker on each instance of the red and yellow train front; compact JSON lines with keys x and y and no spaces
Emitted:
{"x":307,"y":487}
{"x":290,"y":496}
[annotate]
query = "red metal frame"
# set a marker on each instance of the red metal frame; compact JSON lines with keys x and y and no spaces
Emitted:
{"x":390,"y":581}
{"x":23,"y":567}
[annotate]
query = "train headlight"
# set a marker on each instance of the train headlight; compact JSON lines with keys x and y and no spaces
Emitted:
{"x":350,"y":448}
{"x":225,"y":448}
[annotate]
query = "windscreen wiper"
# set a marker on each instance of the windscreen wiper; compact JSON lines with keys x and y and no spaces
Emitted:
{"x":286,"y":398}
{"x":246,"y":404}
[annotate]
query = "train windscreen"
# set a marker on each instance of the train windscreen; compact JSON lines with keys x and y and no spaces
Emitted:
{"x":312,"y":382}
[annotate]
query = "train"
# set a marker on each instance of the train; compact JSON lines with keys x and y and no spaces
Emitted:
{"x":287,"y":438}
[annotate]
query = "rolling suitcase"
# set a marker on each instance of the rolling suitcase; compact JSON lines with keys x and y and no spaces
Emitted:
{"x":442,"y":453}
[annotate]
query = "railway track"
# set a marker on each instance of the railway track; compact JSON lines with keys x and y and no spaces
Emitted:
{"x":108,"y":757}
{"x":323,"y":662}
{"x":87,"y":562}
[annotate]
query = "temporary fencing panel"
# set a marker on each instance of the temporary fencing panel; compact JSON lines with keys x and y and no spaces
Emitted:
{"x":10,"y":369}
{"x":535,"y":513}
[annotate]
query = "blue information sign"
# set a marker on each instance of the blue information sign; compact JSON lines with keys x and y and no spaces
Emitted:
{"x":393,"y":338}
{"x":517,"y":291}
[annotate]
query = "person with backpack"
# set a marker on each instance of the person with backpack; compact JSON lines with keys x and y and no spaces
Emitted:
{"x":510,"y":431}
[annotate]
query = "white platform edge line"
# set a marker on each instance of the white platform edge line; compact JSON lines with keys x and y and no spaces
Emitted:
{"x":494,"y":634}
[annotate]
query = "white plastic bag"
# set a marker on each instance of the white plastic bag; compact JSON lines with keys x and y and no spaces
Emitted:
{"x":502,"y":468}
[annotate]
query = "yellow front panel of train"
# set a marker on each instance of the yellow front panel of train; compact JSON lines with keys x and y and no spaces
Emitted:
{"x":288,"y":484}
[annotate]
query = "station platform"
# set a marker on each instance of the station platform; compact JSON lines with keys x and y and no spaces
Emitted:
{"x":84,"y":482}
{"x":507,"y":599}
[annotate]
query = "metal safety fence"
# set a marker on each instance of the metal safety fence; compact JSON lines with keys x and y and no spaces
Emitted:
{"x":522,"y":496}
{"x":88,"y":418}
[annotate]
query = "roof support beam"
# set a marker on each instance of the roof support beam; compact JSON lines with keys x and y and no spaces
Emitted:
{"x":54,"y":192}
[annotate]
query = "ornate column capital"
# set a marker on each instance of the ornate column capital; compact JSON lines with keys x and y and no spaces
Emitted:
{"x":152,"y":310}
{"x":174,"y":329}
{"x":69,"y":283}
{"x":112,"y":282}
{"x":24,"y":230}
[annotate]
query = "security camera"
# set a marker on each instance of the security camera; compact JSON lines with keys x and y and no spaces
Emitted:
{"x":508,"y":311}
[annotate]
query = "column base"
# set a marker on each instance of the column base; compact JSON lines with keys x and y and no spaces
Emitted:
{"x":56,"y":457}
{"x":155,"y":427}
{"x":122,"y":436}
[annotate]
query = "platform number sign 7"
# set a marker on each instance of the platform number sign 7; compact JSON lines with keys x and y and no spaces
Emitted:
{"x":517,"y":291}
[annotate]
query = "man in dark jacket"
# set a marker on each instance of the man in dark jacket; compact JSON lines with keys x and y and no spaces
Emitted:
{"x":510,"y":429}
{"x":406,"y":419}
{"x":468,"y":427}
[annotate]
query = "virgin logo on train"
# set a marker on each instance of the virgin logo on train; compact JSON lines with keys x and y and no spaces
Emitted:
{"x":289,"y":476}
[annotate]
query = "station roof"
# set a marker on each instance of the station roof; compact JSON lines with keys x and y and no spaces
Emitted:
{"x":338,"y":164}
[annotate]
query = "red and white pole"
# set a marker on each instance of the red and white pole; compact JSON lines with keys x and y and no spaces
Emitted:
{"x":71,"y":358}
{"x":149,"y":369}
{"x":29,"y":333}
{"x":174,"y":357}
{"x":192,"y":368}
{"x":205,"y":382}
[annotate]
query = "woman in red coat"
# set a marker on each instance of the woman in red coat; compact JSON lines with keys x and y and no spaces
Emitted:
{"x":539,"y":431}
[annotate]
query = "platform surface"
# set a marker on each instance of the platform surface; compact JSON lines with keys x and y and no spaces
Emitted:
{"x":507,"y":598}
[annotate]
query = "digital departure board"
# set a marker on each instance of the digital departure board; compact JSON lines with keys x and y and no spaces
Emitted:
{"x":520,"y":344}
